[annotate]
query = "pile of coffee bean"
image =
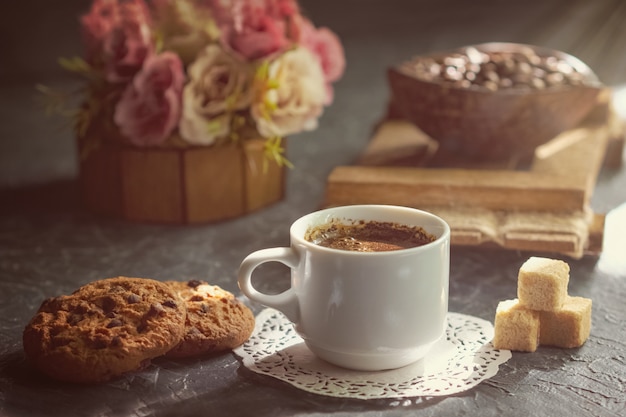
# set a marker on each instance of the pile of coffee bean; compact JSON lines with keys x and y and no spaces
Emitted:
{"x":495,"y":70}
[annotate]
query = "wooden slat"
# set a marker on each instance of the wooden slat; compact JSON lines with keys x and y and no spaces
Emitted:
{"x":554,"y":242}
{"x":264,"y":179}
{"x":596,"y":234}
{"x":398,"y":141}
{"x":415,"y":187}
{"x":100,"y":181}
{"x":466,"y":237}
{"x":556,"y":232}
{"x":579,"y":153}
{"x":144,"y":172}
{"x":214,"y":190}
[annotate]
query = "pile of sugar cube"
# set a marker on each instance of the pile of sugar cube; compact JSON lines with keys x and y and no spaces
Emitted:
{"x":543,"y":313}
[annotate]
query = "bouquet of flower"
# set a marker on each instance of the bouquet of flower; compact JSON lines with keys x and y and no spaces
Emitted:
{"x":202,"y":72}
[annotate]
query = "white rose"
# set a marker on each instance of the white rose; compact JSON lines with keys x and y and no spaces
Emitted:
{"x":219,"y":84}
{"x":292,"y":98}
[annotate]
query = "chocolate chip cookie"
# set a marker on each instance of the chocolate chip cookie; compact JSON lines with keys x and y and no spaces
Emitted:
{"x":216,"y":320}
{"x":105,"y":329}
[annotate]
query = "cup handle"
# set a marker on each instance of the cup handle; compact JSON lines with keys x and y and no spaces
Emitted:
{"x":286,"y":302}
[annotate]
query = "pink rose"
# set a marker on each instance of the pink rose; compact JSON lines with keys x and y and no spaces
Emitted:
{"x":129,"y":42}
{"x":226,"y":11}
{"x":117,"y":37}
{"x":256,"y":28}
{"x":96,"y":25}
{"x":150,"y":107}
{"x":259,"y":37}
{"x":327,"y":48}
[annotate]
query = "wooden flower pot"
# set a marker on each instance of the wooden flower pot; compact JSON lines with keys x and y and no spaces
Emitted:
{"x":180,"y":185}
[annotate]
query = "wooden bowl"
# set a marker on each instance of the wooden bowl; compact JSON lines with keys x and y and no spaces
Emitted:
{"x":492,"y":125}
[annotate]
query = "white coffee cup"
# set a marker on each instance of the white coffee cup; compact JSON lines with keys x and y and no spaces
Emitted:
{"x":362,"y":310}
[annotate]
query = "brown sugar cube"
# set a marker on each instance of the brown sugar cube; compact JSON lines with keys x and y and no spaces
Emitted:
{"x":568,"y":327}
{"x":542,"y":284}
{"x":516,"y":327}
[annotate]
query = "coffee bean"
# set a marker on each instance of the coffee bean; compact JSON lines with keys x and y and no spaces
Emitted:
{"x":538,"y":83}
{"x":505,"y":83}
{"x":492,"y":76}
{"x":490,"y":85}
{"x":555,"y":78}
{"x":495,"y":70}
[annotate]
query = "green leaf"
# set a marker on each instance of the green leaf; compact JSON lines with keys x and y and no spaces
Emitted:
{"x":75,"y":64}
{"x":274,"y":151}
{"x":159,"y":41}
{"x":60,"y":103}
{"x":53,"y":101}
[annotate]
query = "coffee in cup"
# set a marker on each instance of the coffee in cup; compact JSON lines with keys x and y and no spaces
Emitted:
{"x":368,"y":236}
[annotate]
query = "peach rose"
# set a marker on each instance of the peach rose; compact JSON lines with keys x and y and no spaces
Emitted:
{"x":150,"y":107}
{"x":292,"y":96}
{"x":219,"y":84}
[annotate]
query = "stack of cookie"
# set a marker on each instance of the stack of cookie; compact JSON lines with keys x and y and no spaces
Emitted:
{"x":118,"y":325}
{"x":543,"y":313}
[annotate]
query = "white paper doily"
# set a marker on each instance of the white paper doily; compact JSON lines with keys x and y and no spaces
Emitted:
{"x":457,"y":363}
